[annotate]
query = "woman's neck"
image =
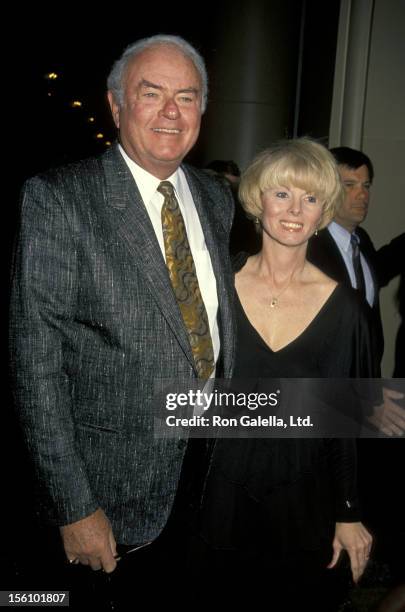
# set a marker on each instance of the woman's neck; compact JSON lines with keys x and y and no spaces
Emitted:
{"x":280,"y":263}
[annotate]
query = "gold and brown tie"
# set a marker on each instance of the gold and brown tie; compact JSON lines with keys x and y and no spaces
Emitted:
{"x":183,"y":276}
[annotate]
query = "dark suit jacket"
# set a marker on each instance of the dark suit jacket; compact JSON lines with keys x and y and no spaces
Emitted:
{"x":390,"y":260}
{"x":391,"y":263}
{"x":94,"y":323}
{"x":324,"y":253}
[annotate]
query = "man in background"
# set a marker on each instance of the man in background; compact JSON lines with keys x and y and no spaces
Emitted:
{"x":344,"y":250}
{"x":244,"y":236}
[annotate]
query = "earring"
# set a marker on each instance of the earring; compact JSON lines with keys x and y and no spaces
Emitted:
{"x":256,"y":221}
{"x":315,"y":232}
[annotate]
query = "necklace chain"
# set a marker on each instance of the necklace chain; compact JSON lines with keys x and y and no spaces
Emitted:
{"x":274,"y":299}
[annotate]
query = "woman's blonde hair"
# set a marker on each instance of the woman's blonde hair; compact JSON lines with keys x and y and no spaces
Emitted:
{"x":301,"y":163}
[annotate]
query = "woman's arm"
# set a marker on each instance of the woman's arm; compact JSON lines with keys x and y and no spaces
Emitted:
{"x":350,"y":533}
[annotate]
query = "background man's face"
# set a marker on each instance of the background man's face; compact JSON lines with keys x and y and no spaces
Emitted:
{"x":355,"y":206}
{"x":160,"y":118}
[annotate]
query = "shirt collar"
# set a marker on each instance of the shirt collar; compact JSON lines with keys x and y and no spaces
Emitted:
{"x":341,"y":236}
{"x":146,"y":182}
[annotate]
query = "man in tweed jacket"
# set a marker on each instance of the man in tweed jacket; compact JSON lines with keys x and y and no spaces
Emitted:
{"x":94,"y":319}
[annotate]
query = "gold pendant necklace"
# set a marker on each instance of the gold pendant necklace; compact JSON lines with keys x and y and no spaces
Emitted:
{"x":274,"y":299}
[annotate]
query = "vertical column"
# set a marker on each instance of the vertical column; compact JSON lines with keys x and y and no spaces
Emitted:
{"x":352,"y":57}
{"x":253,"y":78}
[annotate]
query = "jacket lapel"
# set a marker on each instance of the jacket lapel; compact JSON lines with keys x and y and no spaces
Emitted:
{"x":131,"y":222}
{"x":219,"y":253}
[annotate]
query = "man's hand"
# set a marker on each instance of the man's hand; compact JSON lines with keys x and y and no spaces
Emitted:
{"x":389,"y":418}
{"x":356,"y":540}
{"x":90,"y":541}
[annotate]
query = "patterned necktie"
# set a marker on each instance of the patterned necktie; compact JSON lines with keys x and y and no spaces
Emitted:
{"x":358,"y":270}
{"x":183,"y":276}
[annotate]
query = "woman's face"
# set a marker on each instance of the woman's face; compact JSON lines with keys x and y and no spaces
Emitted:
{"x":290,"y":214}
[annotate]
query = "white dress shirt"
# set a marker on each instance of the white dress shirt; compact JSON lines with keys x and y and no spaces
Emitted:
{"x":342,"y":238}
{"x":153,"y":200}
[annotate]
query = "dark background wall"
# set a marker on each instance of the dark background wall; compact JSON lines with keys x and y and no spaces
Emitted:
{"x":252,"y":50}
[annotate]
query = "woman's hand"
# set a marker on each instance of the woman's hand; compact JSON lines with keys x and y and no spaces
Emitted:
{"x":354,"y":538}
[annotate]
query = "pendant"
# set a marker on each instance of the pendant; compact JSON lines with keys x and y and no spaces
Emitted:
{"x":273,"y":303}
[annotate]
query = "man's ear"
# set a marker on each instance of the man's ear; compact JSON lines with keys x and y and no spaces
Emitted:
{"x":115,"y":109}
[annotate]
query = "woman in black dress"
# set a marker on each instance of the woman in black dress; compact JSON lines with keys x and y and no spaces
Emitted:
{"x":277,"y":513}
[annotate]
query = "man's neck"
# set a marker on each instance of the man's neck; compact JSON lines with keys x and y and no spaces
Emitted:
{"x":349,"y":227}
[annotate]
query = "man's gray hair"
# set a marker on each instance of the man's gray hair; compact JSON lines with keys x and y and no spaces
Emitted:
{"x":116,"y":76}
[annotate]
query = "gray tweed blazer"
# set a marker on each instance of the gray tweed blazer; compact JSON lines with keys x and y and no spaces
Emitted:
{"x":94,"y":323}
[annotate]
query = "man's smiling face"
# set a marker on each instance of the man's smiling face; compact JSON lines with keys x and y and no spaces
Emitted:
{"x":159,"y":120}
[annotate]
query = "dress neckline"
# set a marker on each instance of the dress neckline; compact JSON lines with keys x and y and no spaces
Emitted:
{"x":295,"y":340}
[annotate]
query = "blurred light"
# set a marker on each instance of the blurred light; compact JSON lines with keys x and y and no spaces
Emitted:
{"x":107,"y":143}
{"x":99,"y":135}
{"x":91,"y":120}
{"x":49,"y":94}
{"x":76,"y":104}
{"x":51,"y":76}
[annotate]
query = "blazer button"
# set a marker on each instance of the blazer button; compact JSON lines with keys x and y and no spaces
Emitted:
{"x":181,"y":444}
